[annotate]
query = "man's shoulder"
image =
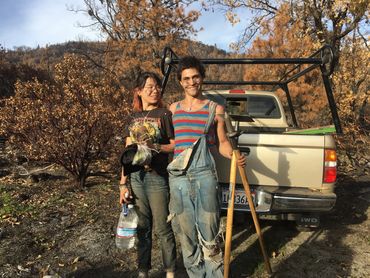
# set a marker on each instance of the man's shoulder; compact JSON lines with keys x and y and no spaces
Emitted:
{"x":219,"y":108}
{"x":173,"y":106}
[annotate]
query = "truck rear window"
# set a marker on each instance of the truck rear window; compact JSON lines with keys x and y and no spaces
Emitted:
{"x":254,"y":106}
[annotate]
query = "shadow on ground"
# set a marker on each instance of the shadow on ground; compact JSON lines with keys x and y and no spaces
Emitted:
{"x":326,"y":252}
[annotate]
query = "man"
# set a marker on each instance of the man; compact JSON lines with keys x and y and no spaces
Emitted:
{"x":194,"y":200}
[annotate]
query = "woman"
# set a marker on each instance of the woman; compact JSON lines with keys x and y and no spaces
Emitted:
{"x":151,"y":125}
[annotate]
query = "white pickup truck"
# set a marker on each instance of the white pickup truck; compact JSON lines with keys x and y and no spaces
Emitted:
{"x":292,"y":172}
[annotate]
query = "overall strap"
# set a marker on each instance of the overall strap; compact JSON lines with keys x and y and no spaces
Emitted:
{"x":211,"y":116}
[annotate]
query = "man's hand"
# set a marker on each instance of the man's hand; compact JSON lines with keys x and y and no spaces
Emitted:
{"x":242,"y":160}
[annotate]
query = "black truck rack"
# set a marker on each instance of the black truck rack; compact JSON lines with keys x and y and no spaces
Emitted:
{"x":322,"y":58}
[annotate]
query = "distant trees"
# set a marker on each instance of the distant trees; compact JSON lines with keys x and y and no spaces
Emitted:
{"x":137,"y":32}
{"x":71,"y":121}
{"x":10,"y":72}
{"x":352,"y":87}
{"x":327,"y":22}
{"x":283,"y":38}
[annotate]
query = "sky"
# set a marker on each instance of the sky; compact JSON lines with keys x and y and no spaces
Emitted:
{"x":35,"y":23}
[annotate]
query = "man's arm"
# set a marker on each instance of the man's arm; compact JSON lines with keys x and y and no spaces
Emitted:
{"x":225,"y":148}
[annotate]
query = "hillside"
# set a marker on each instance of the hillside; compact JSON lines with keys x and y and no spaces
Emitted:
{"x":25,"y":63}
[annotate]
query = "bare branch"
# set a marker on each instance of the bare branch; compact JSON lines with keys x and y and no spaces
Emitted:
{"x":363,"y":38}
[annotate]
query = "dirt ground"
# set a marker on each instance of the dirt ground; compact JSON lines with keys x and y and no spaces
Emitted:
{"x":48,"y":228}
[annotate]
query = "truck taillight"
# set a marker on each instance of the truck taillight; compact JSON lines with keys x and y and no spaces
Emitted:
{"x":236,"y":91}
{"x":330,"y":166}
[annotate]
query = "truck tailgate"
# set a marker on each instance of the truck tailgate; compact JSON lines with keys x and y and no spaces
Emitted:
{"x":281,"y":160}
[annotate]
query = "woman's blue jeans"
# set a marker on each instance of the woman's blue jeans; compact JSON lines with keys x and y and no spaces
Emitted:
{"x":195,"y":206}
{"x":152,"y":196}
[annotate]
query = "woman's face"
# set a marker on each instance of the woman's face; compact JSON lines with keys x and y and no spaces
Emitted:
{"x":151,"y":93}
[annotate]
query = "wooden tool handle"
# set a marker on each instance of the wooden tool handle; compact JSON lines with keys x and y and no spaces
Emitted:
{"x":230,"y":216}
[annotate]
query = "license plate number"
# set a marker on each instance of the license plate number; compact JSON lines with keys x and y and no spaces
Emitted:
{"x":240,"y":197}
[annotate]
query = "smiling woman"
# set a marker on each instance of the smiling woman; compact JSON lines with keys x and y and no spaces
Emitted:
{"x":151,"y":130}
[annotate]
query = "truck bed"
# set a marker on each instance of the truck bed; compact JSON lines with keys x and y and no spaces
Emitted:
{"x":285,"y":160}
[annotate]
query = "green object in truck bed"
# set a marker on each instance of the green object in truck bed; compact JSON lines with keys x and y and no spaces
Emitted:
{"x":318,"y":130}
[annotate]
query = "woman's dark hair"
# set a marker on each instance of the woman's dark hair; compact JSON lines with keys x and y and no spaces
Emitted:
{"x":141,"y":79}
{"x":140,"y":83}
{"x":190,"y":62}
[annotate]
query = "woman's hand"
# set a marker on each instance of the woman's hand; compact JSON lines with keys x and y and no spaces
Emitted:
{"x":153,"y":146}
{"x":125,"y":195}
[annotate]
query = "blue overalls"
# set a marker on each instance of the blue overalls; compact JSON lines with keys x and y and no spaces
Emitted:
{"x":195,"y":206}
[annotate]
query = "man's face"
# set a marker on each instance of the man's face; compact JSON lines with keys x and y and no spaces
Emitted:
{"x":191,"y":81}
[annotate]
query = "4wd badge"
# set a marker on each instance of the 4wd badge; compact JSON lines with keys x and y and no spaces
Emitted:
{"x":309,"y":220}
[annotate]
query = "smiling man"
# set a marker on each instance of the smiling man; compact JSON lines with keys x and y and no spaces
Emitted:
{"x":194,"y":200}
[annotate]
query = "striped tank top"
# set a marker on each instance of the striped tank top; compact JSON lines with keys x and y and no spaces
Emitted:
{"x":189,"y":126}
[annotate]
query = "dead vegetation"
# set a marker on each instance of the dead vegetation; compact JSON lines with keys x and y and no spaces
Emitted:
{"x":48,"y":226}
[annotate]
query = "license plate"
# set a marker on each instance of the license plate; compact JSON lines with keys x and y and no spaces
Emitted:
{"x":240,"y":197}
